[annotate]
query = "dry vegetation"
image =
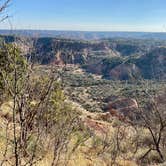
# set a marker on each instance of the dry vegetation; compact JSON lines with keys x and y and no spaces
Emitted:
{"x":62,"y":116}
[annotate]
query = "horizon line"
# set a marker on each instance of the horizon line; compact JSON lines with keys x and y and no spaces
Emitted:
{"x":125,"y":31}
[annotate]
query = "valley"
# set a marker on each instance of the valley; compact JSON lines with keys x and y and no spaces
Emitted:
{"x":82,"y":83}
{"x":91,"y":102}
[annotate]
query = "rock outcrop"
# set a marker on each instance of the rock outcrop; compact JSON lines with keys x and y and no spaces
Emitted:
{"x":123,"y":108}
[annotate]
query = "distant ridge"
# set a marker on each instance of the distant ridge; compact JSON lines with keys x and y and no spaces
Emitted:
{"x":85,"y":35}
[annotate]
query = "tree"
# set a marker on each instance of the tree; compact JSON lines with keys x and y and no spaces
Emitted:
{"x":3,"y":6}
{"x":39,"y":108}
{"x":152,"y":117}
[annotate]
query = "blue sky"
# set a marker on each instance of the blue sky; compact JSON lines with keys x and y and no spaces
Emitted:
{"x":88,"y":15}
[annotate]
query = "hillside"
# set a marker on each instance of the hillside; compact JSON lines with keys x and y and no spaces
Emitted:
{"x":116,"y":59}
{"x":82,"y":83}
{"x":66,"y":102}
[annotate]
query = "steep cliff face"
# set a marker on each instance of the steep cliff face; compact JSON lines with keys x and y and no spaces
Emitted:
{"x":115,"y":69}
{"x":124,"y":72}
{"x":153,"y":64}
{"x":47,"y":50}
{"x":116,"y":59}
{"x":70,"y":57}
